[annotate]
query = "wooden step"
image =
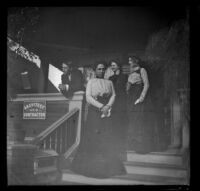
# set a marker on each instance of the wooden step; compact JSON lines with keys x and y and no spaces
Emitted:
{"x":157,"y":168}
{"x":155,"y":165}
{"x":162,"y":180}
{"x":157,"y":171}
{"x":69,"y":178}
{"x":160,"y":158}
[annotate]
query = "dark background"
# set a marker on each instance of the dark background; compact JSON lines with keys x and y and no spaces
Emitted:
{"x":104,"y":28}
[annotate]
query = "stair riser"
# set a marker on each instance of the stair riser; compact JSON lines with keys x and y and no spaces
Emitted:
{"x":176,"y":173}
{"x":75,"y":179}
{"x":171,"y":160}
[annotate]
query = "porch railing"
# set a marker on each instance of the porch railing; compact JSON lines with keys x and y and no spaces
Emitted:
{"x":60,"y":136}
{"x":63,"y":135}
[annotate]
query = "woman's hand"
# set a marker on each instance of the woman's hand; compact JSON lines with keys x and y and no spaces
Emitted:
{"x":61,"y":87}
{"x":139,"y":100}
{"x":105,"y":109}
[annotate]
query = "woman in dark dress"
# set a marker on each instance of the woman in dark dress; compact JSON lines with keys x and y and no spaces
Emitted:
{"x":96,"y":156}
{"x":141,"y":130}
{"x":119,"y":111}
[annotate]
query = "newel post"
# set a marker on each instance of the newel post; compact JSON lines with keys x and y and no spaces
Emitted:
{"x":77,"y":101}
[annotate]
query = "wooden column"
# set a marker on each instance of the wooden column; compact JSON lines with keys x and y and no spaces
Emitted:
{"x":180,"y":116}
{"x":176,"y":138}
{"x":185,"y":117}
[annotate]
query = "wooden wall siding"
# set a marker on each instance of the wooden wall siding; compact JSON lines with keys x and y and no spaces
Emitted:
{"x":54,"y":110}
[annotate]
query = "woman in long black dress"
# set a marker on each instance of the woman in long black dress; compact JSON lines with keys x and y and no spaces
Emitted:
{"x":96,"y":156}
{"x":119,"y":111}
{"x":141,"y":130}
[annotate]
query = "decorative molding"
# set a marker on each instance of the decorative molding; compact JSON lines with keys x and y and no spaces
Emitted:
{"x":78,"y":96}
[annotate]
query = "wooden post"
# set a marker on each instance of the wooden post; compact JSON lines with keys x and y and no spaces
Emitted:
{"x":185,"y":117}
{"x":176,"y":137}
{"x":180,"y":121}
{"x":77,"y":101}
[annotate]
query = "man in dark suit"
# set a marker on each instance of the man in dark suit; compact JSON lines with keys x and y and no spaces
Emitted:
{"x":71,"y":80}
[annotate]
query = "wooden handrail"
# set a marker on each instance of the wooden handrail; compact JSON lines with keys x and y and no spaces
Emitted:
{"x":56,"y":124}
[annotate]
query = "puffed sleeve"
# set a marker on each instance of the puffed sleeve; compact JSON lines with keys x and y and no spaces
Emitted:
{"x":89,"y":97}
{"x":145,"y":81}
{"x":112,"y":98}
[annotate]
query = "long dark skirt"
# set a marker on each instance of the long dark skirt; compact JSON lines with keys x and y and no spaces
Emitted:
{"x":141,"y":128}
{"x":96,"y":156}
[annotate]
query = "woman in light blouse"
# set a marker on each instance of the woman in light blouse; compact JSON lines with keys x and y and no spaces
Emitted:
{"x":141,"y":130}
{"x":96,"y":156}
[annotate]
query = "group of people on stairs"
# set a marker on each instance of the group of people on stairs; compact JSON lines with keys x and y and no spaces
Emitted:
{"x":120,"y":117}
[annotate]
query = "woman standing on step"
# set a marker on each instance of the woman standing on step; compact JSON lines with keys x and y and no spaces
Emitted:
{"x":141,"y":128}
{"x":119,"y":112}
{"x":96,"y":156}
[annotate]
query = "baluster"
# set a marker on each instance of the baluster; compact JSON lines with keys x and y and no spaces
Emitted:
{"x":53,"y":140}
{"x":63,"y":137}
{"x":50,"y":140}
{"x":68,"y":133}
{"x":60,"y":127}
{"x":47,"y":142}
{"x":41,"y":145}
{"x":44,"y":144}
{"x":72,"y":130}
{"x":58,"y":141}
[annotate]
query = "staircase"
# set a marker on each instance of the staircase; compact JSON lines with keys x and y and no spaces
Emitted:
{"x":158,"y":168}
